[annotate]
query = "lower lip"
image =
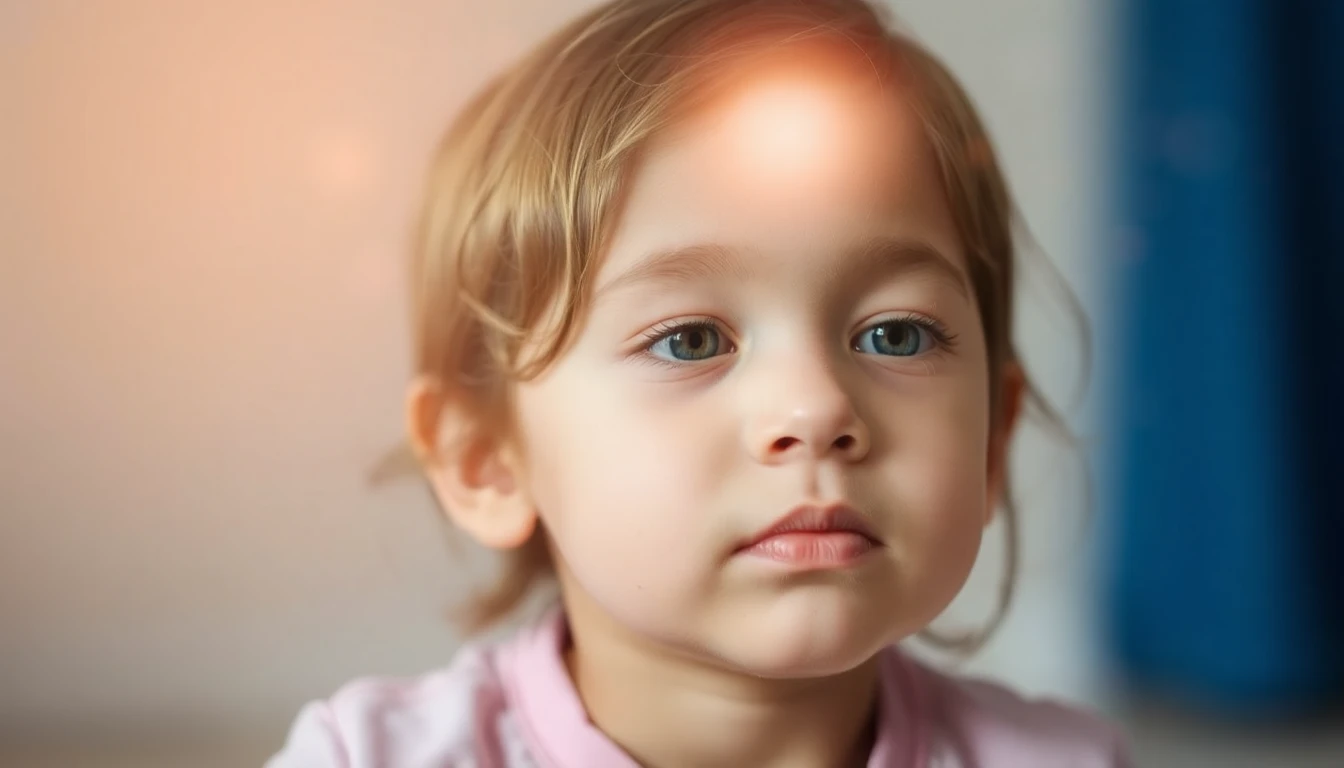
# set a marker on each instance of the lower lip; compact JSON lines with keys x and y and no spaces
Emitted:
{"x":819,"y":549}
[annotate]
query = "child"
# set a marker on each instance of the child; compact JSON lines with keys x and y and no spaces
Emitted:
{"x":712,"y":305}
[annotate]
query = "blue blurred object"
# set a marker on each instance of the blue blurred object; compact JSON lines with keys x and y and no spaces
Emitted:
{"x":1227,"y":571}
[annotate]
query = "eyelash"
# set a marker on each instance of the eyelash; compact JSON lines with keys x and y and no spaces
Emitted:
{"x":942,"y":338}
{"x":664,"y":330}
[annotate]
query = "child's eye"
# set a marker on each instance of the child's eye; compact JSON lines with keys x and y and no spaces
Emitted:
{"x":688,"y":342}
{"x":898,"y":338}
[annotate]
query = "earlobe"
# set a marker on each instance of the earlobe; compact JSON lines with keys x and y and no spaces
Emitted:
{"x":1013,"y":383}
{"x":476,"y":479}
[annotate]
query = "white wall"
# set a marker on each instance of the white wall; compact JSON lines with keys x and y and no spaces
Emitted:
{"x":203,"y":212}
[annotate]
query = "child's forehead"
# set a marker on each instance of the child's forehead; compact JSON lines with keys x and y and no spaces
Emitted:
{"x":788,"y":152}
{"x":788,"y":117}
{"x":790,"y":127}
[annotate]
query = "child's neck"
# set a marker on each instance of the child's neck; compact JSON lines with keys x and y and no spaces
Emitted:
{"x":665,"y":709}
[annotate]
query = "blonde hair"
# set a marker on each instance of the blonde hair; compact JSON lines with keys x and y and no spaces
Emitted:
{"x":527,"y":185}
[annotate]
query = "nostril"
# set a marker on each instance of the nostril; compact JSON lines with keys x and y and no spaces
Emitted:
{"x":783,"y":444}
{"x":844,"y":442}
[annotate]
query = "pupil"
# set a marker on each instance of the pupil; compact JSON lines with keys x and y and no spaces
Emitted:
{"x":896,"y":335}
{"x":693,"y":344}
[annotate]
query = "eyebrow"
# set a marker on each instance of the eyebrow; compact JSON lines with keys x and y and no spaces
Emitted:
{"x":891,"y":256}
{"x":679,"y":265}
{"x":895,"y":256}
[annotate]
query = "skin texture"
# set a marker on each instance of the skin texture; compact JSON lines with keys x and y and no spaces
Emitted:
{"x":790,"y":218}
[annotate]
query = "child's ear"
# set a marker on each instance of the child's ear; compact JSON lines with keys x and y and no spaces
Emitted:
{"x":477,"y":479}
{"x":1013,"y":389}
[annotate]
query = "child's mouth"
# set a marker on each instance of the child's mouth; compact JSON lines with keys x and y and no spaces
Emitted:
{"x":832,"y":549}
{"x":811,"y":536}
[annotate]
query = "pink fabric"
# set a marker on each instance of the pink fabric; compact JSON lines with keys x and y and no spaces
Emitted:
{"x":512,"y":705}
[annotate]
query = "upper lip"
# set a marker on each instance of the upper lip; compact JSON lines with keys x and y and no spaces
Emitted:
{"x":818,"y":518}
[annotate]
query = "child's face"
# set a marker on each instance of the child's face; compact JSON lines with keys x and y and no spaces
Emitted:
{"x":838,"y":356}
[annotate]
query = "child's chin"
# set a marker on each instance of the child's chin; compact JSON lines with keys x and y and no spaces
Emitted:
{"x":815,"y":663}
{"x":807,"y":650}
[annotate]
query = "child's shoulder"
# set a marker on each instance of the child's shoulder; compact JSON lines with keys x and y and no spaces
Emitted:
{"x":971,"y":721}
{"x":443,"y":718}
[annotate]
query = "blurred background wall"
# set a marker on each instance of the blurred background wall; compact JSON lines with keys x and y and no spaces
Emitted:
{"x":1228,"y":592}
{"x":203,"y":215}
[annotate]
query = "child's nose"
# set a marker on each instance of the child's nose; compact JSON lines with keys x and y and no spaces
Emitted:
{"x":804,"y":415}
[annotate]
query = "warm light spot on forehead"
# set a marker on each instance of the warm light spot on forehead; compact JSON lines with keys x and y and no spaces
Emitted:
{"x":793,"y":131}
{"x":791,"y":123}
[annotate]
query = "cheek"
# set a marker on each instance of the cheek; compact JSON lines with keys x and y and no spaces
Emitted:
{"x":940,"y":483}
{"x":621,"y":487}
{"x":945,"y":451}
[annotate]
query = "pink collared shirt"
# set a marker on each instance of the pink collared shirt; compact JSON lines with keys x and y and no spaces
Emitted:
{"x":512,"y":705}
